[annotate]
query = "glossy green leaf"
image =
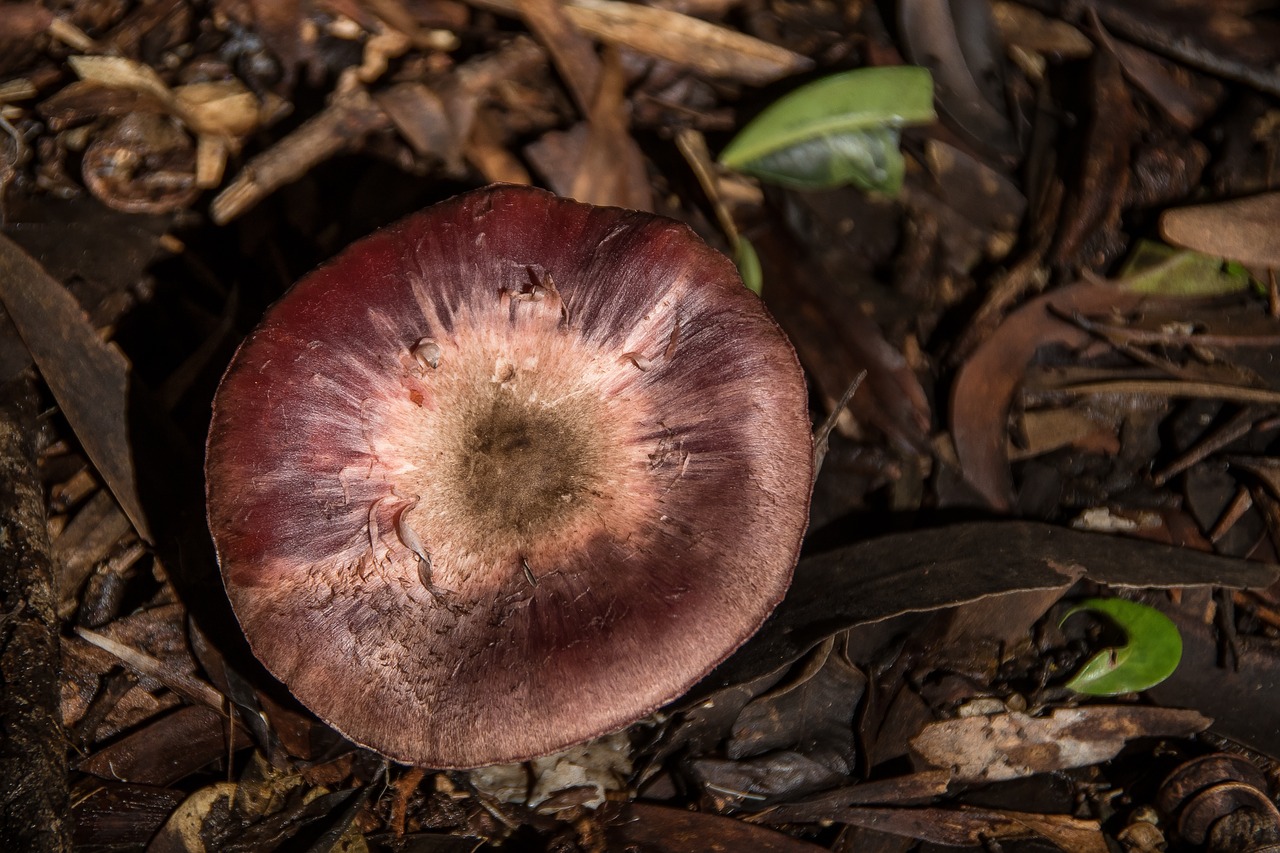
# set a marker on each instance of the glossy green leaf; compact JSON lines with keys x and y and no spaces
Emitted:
{"x":839,"y":130}
{"x":748,"y":265}
{"x":1150,"y":654}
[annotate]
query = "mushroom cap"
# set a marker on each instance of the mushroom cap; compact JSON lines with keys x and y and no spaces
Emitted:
{"x":507,"y":475}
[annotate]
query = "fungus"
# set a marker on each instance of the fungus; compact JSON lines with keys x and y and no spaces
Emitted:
{"x":506,"y":476}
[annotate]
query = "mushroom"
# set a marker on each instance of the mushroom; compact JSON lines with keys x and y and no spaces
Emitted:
{"x":506,"y":476}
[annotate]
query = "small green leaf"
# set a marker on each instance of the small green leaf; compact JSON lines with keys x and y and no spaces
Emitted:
{"x":1150,"y":654}
{"x":839,"y":130}
{"x":868,"y":159}
{"x":748,"y":265}
{"x":1165,"y":271}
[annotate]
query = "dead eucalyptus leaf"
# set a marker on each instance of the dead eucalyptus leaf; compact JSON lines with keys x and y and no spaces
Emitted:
{"x":1242,"y":229}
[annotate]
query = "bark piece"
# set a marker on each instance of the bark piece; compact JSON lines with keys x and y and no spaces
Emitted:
{"x":33,"y":764}
{"x":1013,"y":745}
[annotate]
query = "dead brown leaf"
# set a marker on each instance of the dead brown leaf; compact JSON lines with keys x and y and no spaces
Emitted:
{"x":1242,"y":229}
{"x":167,"y":749}
{"x":679,"y":831}
{"x":971,"y":827}
{"x":89,"y":378}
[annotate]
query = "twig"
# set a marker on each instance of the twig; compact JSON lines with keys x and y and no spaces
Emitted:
{"x":823,"y":435}
{"x":351,"y":117}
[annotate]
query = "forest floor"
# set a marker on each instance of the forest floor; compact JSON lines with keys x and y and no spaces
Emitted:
{"x":1059,"y":321}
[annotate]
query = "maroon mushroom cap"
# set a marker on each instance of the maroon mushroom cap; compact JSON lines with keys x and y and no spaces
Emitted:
{"x":507,"y":475}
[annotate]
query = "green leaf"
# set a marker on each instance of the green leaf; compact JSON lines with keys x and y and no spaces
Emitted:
{"x":748,"y":265}
{"x":1165,"y":271}
{"x":1150,"y":654}
{"x":839,"y":130}
{"x":868,"y":159}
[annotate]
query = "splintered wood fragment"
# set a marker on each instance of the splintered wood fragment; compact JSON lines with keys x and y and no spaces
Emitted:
{"x":88,"y":377}
{"x":1243,"y":229}
{"x":33,"y":790}
{"x":681,"y":39}
{"x":342,"y":125}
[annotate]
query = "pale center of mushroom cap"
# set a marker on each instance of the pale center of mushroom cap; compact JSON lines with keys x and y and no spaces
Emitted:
{"x":524,"y":447}
{"x":521,"y":468}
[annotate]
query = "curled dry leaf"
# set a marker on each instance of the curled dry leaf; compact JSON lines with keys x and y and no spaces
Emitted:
{"x":1220,"y":799}
{"x":220,"y":113}
{"x":986,"y":384}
